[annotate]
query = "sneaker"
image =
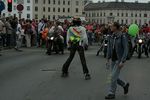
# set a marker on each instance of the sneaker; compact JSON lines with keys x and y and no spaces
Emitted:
{"x":87,"y":76}
{"x":64,"y":75}
{"x":110,"y":96}
{"x":126,"y":88}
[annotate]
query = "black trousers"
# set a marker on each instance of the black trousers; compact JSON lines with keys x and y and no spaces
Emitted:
{"x":73,"y":50}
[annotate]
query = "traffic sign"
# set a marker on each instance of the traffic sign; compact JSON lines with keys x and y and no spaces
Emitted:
{"x":20,"y":7}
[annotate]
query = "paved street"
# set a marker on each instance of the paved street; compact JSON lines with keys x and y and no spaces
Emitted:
{"x":32,"y":75}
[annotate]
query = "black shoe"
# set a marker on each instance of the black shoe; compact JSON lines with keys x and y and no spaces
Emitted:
{"x":18,"y":50}
{"x":0,"y":54}
{"x":147,"y":56}
{"x":64,"y":75}
{"x":110,"y":96}
{"x":48,"y":53}
{"x":126,"y":88}
{"x":87,"y":77}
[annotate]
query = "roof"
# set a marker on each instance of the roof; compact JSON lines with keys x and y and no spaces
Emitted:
{"x":117,"y":6}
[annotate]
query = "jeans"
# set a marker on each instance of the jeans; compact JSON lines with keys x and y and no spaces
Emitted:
{"x":115,"y":71}
{"x":1,"y":42}
{"x":8,"y":42}
{"x":90,"y":37}
{"x":18,"y":42}
{"x":73,"y":50}
{"x":28,"y":40}
{"x":39,"y":39}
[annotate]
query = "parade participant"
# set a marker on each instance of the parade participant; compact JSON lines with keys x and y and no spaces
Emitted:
{"x":76,"y":39}
{"x":41,"y":27}
{"x":9,"y":30}
{"x":117,"y":53}
{"x":142,"y":36}
{"x":13,"y":22}
{"x":19,"y":36}
{"x":89,"y":33}
{"x":1,"y":33}
{"x":28,"y":33}
{"x":56,"y":32}
{"x":44,"y":35}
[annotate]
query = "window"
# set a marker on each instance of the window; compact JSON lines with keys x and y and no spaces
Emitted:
{"x":122,"y":21}
{"x":54,"y":2}
{"x":49,"y":9}
{"x":36,"y":16}
{"x":77,"y":10}
{"x":117,"y":21}
{"x":122,"y":14}
{"x":28,"y":1}
{"x":86,"y":15}
{"x":118,"y":14}
{"x":36,"y":8}
{"x":140,"y":21}
{"x":28,"y":8}
{"x":68,"y":2}
{"x":135,"y":15}
{"x":89,"y":14}
{"x":43,"y":9}
{"x":68,"y":10}
{"x":53,"y":17}
{"x":135,"y":21}
{"x":58,"y":9}
{"x":43,"y":16}
{"x":49,"y":17}
{"x":49,"y":1}
{"x":63,"y":9}
{"x":104,"y":14}
{"x":145,"y":15}
{"x":92,"y":14}
{"x":77,"y":3}
{"x":64,"y":2}
{"x":44,"y":2}
{"x":126,"y":14}
{"x":36,"y":1}
{"x":59,"y":2}
{"x":145,"y":20}
{"x":126,"y":21}
{"x":97,"y":14}
{"x":131,"y":14}
{"x":53,"y":9}
{"x":101,"y":14}
{"x":111,"y":14}
{"x":28,"y":16}
{"x":140,"y":15}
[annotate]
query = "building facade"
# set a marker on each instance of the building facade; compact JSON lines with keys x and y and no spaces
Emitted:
{"x":55,"y":9}
{"x":122,"y":12}
{"x":26,"y":13}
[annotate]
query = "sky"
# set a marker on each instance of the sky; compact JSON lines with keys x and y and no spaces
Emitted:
{"x":125,"y":0}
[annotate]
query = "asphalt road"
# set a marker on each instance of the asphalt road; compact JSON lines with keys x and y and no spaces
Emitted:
{"x":32,"y":75}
